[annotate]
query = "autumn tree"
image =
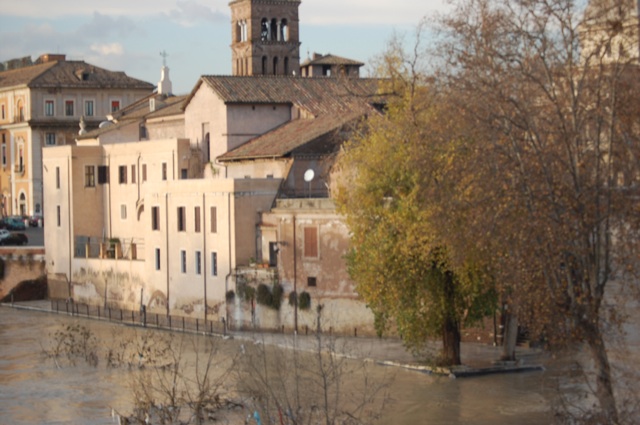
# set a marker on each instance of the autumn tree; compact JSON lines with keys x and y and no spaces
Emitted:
{"x":551,"y":92}
{"x":388,"y":176}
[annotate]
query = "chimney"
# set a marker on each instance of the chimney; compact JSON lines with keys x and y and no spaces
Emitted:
{"x":51,"y":57}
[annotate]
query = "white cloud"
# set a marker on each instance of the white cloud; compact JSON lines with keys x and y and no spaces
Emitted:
{"x":46,"y":8}
{"x":367,"y":12}
{"x":313,"y":12}
{"x":108,"y":49}
{"x":188,"y":12}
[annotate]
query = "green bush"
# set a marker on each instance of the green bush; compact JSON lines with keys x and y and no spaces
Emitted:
{"x":230,"y":295}
{"x":277,"y":293}
{"x":305,"y":301}
{"x":263,"y":295}
{"x":293,"y":298}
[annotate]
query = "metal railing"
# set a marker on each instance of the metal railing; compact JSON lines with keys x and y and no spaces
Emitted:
{"x":141,"y":318}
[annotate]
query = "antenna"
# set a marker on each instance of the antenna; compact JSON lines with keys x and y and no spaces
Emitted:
{"x":308,"y":176}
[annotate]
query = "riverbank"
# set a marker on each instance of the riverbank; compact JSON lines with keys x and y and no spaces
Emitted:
{"x":478,"y":359}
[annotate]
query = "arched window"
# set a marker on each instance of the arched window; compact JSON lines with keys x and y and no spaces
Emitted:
{"x":207,"y":147}
{"x":284,"y":30}
{"x":238,"y":34}
{"x":23,"y":204}
{"x":264,"y":29}
{"x":275,"y":66}
{"x":274,"y":29}
{"x":264,"y":65}
{"x":286,"y":65}
{"x":20,"y":109}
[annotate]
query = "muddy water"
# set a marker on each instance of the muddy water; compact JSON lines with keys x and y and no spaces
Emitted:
{"x":34,"y":391}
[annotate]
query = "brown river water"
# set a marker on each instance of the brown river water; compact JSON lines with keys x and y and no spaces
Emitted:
{"x":34,"y":391}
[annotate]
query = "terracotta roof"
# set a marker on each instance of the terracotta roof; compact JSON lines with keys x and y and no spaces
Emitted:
{"x":315,"y":95}
{"x":291,"y":136}
{"x":330,"y":59}
{"x":165,"y":105}
{"x":70,"y":74}
{"x":140,"y":111}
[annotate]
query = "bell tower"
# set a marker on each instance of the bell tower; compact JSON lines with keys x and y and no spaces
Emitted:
{"x":264,"y":37}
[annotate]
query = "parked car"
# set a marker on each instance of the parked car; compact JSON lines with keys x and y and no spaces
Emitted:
{"x":4,"y":233}
{"x":36,"y":220}
{"x":15,"y":239}
{"x":14,"y":223}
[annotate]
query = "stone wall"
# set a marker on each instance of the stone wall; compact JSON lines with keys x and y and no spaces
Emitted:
{"x":19,"y":265}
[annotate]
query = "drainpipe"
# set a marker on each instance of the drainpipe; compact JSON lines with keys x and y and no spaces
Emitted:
{"x":204,"y":253}
{"x":166,"y":206}
{"x":226,"y":279}
{"x":295,"y":277}
{"x":69,"y":191}
{"x":109,"y":194}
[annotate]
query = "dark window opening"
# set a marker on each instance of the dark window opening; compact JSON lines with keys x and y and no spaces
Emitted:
{"x":311,"y":281}
{"x":103,"y":174}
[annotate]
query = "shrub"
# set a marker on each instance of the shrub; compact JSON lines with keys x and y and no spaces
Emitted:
{"x":276,"y":298}
{"x":263,"y":295}
{"x":230,"y":295}
{"x":293,"y":298}
{"x":305,"y":301}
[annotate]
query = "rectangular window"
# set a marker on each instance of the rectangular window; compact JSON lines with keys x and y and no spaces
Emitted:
{"x":103,"y":174}
{"x":214,"y":264}
{"x":164,"y":171}
{"x":155,"y":218}
{"x":133,"y":174}
{"x":198,"y":262}
{"x":122,"y":174}
{"x":88,"y":108}
{"x":144,"y":172}
{"x":115,"y":105}
{"x":48,"y":108}
{"x":3,"y":112}
{"x":4,"y":152}
{"x":57,"y":177}
{"x":89,"y":176}
{"x":311,"y":281}
{"x":50,"y":139}
{"x":157,"y":258}
{"x":123,"y":212}
{"x":311,"y":242}
{"x":214,"y":220}
{"x":68,"y":108}
{"x":197,"y":219}
{"x":182,"y":225}
{"x":59,"y":215}
{"x":183,"y":261}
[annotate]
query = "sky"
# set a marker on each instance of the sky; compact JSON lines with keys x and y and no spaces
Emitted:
{"x":128,"y":35}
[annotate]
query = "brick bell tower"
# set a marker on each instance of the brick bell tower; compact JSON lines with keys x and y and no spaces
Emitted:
{"x":264,"y":37}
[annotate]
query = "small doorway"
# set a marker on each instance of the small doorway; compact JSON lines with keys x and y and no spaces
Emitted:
{"x":273,"y":254}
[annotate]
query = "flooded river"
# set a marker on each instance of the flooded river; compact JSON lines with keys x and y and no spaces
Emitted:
{"x":34,"y":391}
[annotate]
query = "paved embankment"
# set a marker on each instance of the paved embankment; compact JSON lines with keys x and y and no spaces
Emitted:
{"x":479,"y":359}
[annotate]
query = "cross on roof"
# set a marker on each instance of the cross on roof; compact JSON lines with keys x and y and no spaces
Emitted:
{"x":164,"y":55}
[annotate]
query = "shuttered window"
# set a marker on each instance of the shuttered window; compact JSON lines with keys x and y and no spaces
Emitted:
{"x":311,"y":242}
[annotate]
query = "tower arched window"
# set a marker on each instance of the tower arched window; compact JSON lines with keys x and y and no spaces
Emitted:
{"x":238,"y":32}
{"x":264,"y":29}
{"x":275,"y":66}
{"x":284,"y":30}
{"x":264,"y":65}
{"x":274,"y":29}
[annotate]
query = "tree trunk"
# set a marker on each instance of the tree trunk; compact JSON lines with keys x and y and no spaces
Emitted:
{"x":604,"y":387}
{"x":510,"y":337}
{"x":451,"y":342}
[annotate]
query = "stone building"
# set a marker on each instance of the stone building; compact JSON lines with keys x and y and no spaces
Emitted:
{"x":41,"y":105}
